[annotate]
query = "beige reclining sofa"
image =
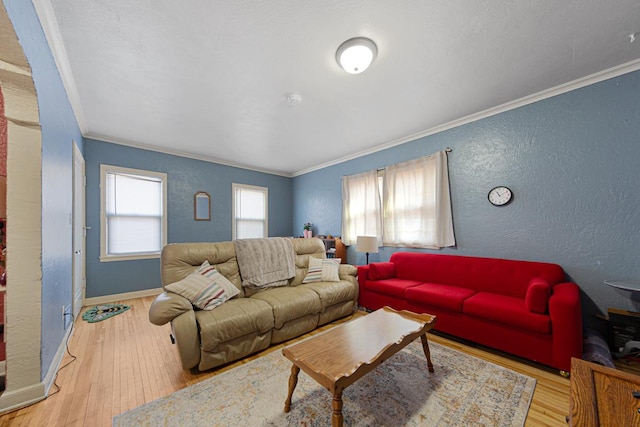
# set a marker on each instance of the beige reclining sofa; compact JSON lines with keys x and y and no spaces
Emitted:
{"x":254,"y":319}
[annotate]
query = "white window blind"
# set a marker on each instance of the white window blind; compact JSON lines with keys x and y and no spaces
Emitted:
{"x":250,"y":208}
{"x":133,"y":213}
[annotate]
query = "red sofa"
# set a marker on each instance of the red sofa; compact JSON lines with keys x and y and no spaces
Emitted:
{"x":521,"y":307}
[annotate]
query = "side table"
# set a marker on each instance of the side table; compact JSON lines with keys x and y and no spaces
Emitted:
{"x":627,"y":285}
{"x":602,"y":396}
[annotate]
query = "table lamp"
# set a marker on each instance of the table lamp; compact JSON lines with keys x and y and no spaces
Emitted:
{"x":368,"y":244}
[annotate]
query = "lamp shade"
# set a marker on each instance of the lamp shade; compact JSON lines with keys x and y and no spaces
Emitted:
{"x":367,"y":244}
{"x":355,"y":55}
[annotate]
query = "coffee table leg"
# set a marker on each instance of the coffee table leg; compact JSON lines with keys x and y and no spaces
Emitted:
{"x":336,"y":417}
{"x":293,"y":381}
{"x":425,"y":347}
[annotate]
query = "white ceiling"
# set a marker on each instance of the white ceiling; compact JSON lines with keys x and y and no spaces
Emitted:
{"x":210,"y":78}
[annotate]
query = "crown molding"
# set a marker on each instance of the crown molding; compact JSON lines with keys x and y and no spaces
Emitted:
{"x":179,"y":153}
{"x":600,"y":76}
{"x":47,"y":18}
{"x":51,"y":29}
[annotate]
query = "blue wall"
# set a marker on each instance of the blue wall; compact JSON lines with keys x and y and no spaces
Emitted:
{"x":59,"y":129}
{"x":185,"y":178}
{"x":573,"y":164}
{"x":571,"y":160}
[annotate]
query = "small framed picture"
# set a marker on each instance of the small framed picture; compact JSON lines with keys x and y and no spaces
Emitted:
{"x":201,"y":206}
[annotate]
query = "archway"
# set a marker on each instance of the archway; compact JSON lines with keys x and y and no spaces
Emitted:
{"x":24,"y":384}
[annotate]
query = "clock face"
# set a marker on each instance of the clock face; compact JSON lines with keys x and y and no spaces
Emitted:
{"x":500,"y":196}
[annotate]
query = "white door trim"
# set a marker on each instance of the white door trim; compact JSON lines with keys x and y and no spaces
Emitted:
{"x":79,"y":231}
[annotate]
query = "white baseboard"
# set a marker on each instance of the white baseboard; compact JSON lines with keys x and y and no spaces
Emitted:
{"x":57,"y":359}
{"x":16,"y":399}
{"x":119,"y":297}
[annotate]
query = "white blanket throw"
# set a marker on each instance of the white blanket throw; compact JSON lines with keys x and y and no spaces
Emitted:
{"x":265,"y":263}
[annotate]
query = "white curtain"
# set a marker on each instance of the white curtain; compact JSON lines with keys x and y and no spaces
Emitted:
{"x":417,"y":203}
{"x":361,"y":207}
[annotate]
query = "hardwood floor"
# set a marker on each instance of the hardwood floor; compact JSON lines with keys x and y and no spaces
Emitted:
{"x":125,"y":361}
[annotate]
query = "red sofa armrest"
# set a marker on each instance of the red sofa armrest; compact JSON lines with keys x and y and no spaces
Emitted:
{"x":363,"y":275}
{"x":381,"y":270}
{"x":565,"y":311}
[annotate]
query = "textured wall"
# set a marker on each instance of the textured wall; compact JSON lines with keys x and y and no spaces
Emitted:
{"x":572,"y":162}
{"x":185,"y":178}
{"x":59,"y":128}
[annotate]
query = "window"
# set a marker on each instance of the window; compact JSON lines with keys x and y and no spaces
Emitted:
{"x":361,"y":212}
{"x":250,"y":207}
{"x":133,"y":220}
{"x":416,"y":204}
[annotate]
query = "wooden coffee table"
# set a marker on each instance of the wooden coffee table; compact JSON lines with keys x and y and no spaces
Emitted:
{"x":339,"y":357}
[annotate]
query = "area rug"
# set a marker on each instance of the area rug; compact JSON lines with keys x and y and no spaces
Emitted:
{"x":463,"y":391}
{"x":103,"y":311}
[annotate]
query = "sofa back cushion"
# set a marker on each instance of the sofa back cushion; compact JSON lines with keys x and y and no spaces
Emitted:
{"x":303,"y":249}
{"x":178,"y":260}
{"x":206,"y":288}
{"x":501,"y":276}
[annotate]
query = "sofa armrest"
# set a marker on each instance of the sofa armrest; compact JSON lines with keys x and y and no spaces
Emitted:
{"x":363,"y":274}
{"x":565,"y":311}
{"x":381,"y":270}
{"x":167,"y":306}
{"x":346,"y":270}
{"x":170,"y":307}
{"x":187,"y":336}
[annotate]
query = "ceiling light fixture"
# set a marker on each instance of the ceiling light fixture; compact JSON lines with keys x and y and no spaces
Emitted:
{"x":356,"y":54}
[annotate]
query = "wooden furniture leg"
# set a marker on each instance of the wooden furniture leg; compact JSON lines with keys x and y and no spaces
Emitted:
{"x":336,"y":416}
{"x":427,"y":352}
{"x":346,"y":364}
{"x":293,"y":382}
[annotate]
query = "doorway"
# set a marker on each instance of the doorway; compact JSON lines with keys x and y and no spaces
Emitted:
{"x":23,"y":381}
{"x":79,"y":233}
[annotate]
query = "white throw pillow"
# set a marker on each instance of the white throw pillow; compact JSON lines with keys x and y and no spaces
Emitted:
{"x":322,"y":270}
{"x":206,"y":288}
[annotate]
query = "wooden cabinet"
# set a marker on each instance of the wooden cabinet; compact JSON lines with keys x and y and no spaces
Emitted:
{"x":602,"y":396}
{"x":335,"y":249}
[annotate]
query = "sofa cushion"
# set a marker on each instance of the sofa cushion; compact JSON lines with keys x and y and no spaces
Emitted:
{"x":322,"y":270}
{"x":331,"y":293}
{"x":381,"y":270}
{"x":206,"y":288}
{"x":304,"y":249}
{"x":537,"y":297}
{"x":394,"y":287}
{"x":500,"y":276}
{"x":180,"y":259}
{"x":289,"y":303}
{"x":507,"y":310}
{"x":438,"y":295}
{"x":235,"y":318}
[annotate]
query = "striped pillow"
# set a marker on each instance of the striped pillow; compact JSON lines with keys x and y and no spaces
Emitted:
{"x":322,"y":270}
{"x":206,"y":288}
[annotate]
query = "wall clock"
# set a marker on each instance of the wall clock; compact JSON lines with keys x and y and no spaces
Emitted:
{"x":500,"y":196}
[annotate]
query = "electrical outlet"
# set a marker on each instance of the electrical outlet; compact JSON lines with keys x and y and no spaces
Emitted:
{"x":66,"y":316}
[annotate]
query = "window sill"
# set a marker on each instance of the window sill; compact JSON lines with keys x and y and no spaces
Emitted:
{"x":133,"y":257}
